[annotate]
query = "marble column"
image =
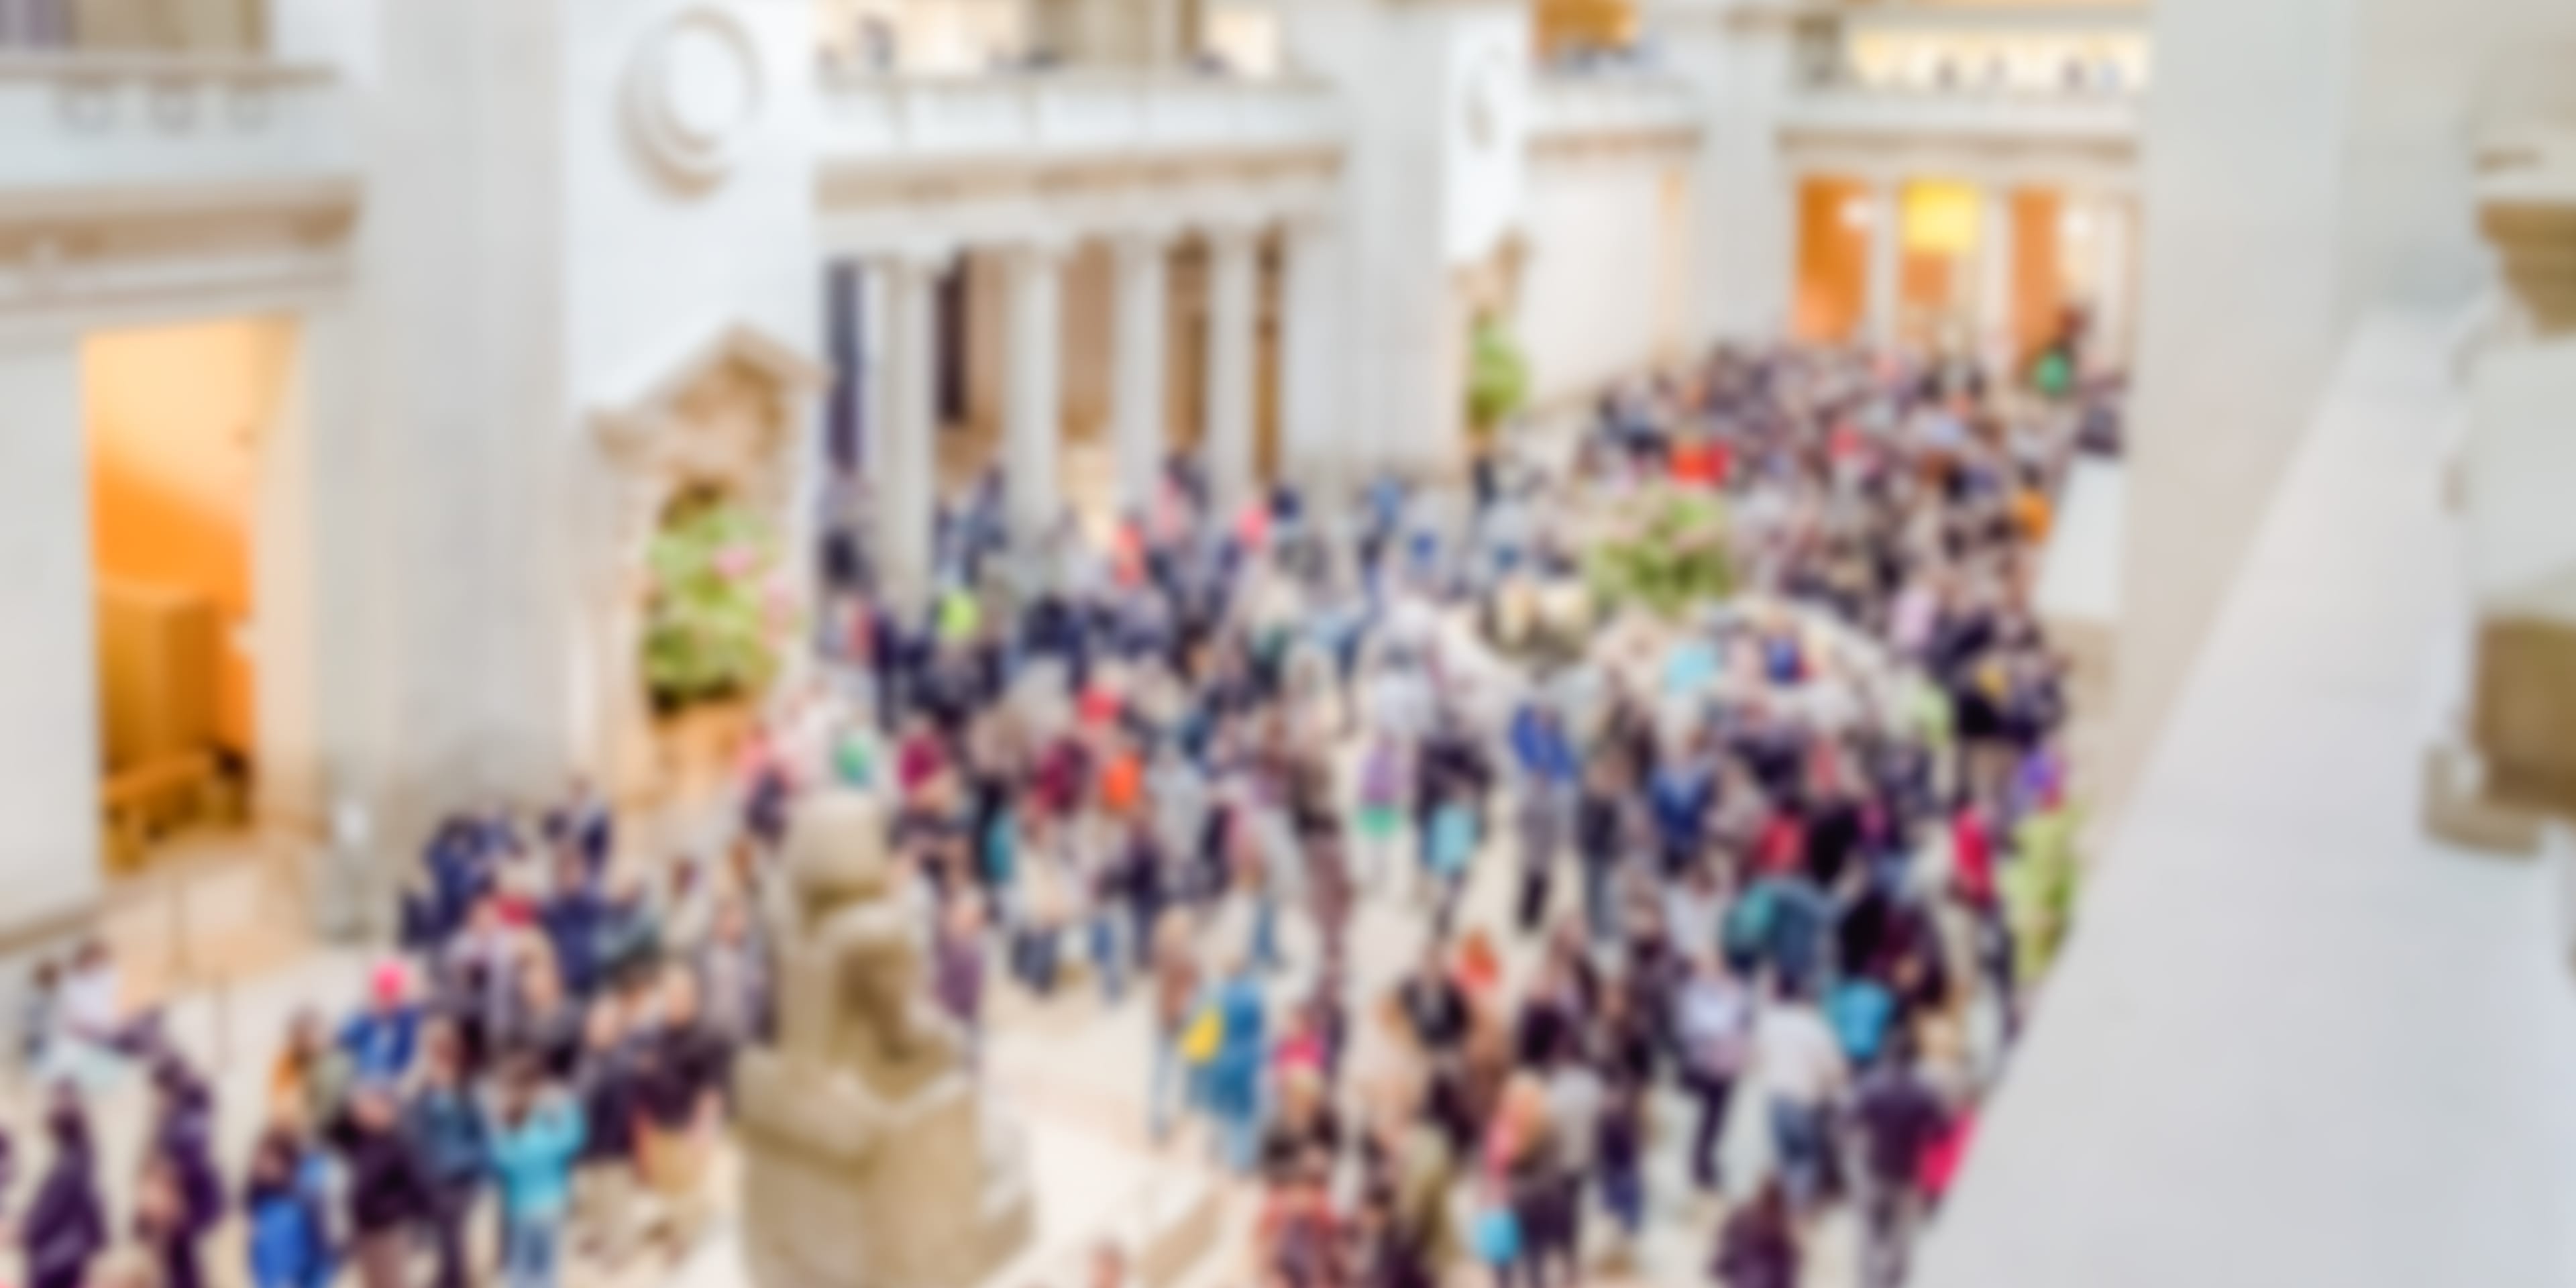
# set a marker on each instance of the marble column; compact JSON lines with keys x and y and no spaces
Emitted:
{"x":1886,"y":262}
{"x":1997,"y":248}
{"x":2111,"y":303}
{"x":49,"y":744}
{"x":903,"y":464}
{"x":1138,"y":398}
{"x":1312,"y":450}
{"x":1033,"y":406}
{"x":1233,"y":321}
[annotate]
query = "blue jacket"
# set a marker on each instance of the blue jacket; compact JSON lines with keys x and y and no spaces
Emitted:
{"x":1542,"y":748}
{"x":446,"y":1131}
{"x":379,"y":1044}
{"x":1234,"y":1076}
{"x":289,"y":1244}
{"x":1678,"y":798}
{"x":533,"y":1162}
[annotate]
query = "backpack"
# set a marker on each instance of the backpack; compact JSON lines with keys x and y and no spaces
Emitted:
{"x":1747,"y":931}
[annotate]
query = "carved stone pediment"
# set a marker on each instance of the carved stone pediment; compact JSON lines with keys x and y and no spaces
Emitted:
{"x":716,"y":414}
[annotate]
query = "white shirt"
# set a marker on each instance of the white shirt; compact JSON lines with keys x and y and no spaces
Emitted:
{"x":1796,"y":1054}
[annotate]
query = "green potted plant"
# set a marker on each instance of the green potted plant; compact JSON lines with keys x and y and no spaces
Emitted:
{"x":717,"y":618}
{"x":717,"y":612}
{"x":1667,"y":557}
{"x":1497,"y":378}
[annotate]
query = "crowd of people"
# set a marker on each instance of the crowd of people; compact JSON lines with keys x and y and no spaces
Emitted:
{"x":1178,"y":763}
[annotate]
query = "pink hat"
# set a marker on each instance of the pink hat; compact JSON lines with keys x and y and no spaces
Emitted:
{"x":388,"y":984}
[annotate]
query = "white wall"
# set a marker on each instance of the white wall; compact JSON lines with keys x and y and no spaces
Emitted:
{"x":2239,"y":322}
{"x":48,"y":667}
{"x":2306,"y":158}
{"x":1607,"y":277}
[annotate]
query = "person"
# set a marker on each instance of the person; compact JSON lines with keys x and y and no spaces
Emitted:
{"x":1234,"y":1074}
{"x":286,"y":1218}
{"x":165,"y":1228}
{"x":40,"y":1014}
{"x":1109,"y":1266}
{"x":542,"y":1021}
{"x":1298,"y":1236}
{"x":957,"y":968}
{"x":1176,"y":1003}
{"x":1384,"y":786}
{"x":1619,"y":1155}
{"x":183,"y":1146}
{"x":680,"y":1090}
{"x":537,"y":1133}
{"x":388,"y":1195}
{"x":1802,"y":1069}
{"x":1600,"y":842}
{"x":604,"y":1164}
{"x":1713,"y":1024}
{"x":65,"y":1225}
{"x":445,"y":1127}
{"x":379,"y":1041}
{"x":735,"y":974}
{"x":1758,"y":1246}
{"x":1900,"y":1119}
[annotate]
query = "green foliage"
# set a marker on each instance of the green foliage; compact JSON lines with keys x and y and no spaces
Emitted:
{"x":2039,"y":886}
{"x":1497,"y":376}
{"x":1669,"y":558}
{"x":715,"y":614}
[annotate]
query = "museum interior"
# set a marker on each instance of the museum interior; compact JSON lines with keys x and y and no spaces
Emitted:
{"x":1327,"y":643}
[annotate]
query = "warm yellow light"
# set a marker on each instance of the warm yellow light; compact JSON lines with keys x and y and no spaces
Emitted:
{"x":1940,"y":218}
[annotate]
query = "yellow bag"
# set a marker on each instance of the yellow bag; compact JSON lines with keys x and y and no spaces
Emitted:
{"x":1199,"y":1041}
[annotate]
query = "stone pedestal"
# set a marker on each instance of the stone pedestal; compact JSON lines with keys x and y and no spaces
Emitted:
{"x":870,"y":1157}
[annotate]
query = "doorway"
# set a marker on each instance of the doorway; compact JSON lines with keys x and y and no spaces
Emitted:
{"x":181,"y":424}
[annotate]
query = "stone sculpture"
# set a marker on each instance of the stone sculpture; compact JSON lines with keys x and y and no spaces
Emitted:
{"x":870,"y":1159}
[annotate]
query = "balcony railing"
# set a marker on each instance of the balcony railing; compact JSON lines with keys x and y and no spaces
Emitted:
{"x":2080,"y":56}
{"x":1849,"y":110}
{"x":86,"y":126}
{"x":1053,"y":117}
{"x":1573,"y":107}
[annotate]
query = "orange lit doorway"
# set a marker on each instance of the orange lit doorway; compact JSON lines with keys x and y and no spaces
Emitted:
{"x":1834,"y":219}
{"x":186,"y":487}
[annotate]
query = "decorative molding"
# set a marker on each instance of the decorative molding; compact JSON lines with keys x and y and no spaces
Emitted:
{"x":695,"y":93}
{"x":631,"y":422}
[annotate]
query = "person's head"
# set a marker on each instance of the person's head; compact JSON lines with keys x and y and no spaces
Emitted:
{"x":679,"y":997}
{"x":605,"y":1026}
{"x":273,"y":1159}
{"x":67,"y":1123}
{"x":372,"y":1108}
{"x":1108,"y":1264}
{"x":388,"y":986}
{"x":517,"y":1086}
{"x":442,"y":1053}
{"x":304,"y":1035}
{"x":732,"y":922}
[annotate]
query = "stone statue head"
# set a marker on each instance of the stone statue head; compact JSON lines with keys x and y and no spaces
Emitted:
{"x":836,"y":852}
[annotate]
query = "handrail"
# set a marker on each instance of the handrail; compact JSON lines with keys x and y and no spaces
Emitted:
{"x":94,"y":65}
{"x":1147,"y":79}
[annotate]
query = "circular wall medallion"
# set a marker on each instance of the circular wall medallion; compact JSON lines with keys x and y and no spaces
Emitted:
{"x":694,"y":93}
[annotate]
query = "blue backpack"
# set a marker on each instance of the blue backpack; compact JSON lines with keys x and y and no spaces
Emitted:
{"x":1860,"y":1011}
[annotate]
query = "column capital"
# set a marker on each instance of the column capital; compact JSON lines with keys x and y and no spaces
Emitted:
{"x":1233,"y":229}
{"x":1145,"y":238}
{"x":928,"y":256}
{"x":1032,"y":249}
